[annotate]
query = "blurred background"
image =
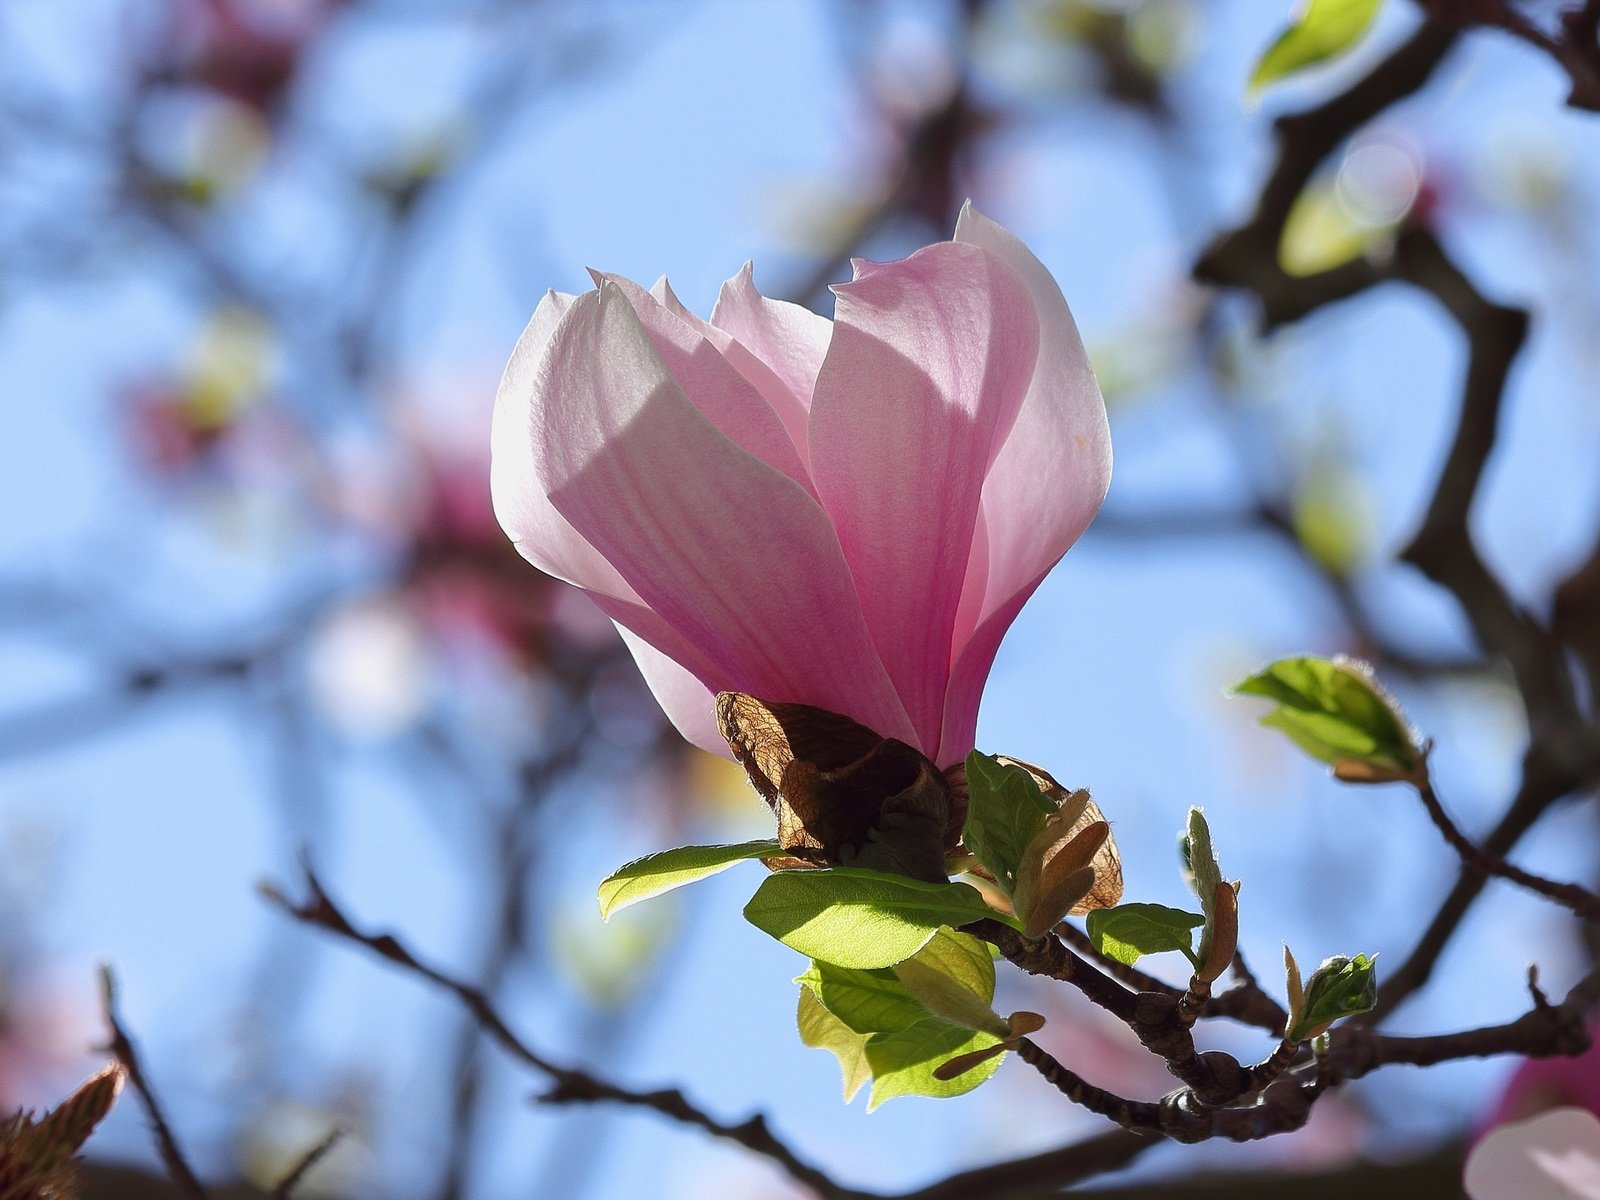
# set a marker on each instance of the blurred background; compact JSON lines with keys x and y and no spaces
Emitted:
{"x":261,"y":262}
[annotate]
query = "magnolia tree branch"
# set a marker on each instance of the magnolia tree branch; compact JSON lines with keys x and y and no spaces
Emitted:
{"x":121,"y":1047}
{"x":1573,"y":44}
{"x":568,"y":1084}
{"x":1563,"y":756}
{"x":1580,"y":900}
{"x":1045,"y":1174}
{"x":297,"y":1173}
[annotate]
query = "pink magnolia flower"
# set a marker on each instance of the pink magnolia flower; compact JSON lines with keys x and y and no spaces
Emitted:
{"x":1553,"y":1156}
{"x":845,"y":514}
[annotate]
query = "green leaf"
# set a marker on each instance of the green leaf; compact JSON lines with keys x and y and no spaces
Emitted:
{"x":1320,"y":233}
{"x":1341,"y":987}
{"x":824,"y":1031}
{"x":953,"y":977}
{"x":953,"y":969}
{"x":1128,"y":932}
{"x":656,"y":873}
{"x":855,"y":918}
{"x":1204,"y":873}
{"x":1324,"y":29}
{"x":864,"y":1001}
{"x":1332,"y":513}
{"x":1295,"y":989}
{"x":1335,"y":711}
{"x":903,"y":1063}
{"x":1005,"y":809}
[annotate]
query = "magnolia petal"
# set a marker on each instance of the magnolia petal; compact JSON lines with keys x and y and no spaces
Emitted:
{"x":930,"y":359}
{"x":734,"y":404}
{"x":791,"y":340}
{"x":774,"y":390}
{"x":543,"y":535}
{"x":970,"y":672}
{"x":688,"y":703}
{"x":732,"y":555}
{"x":1052,"y":473}
{"x":1553,"y":1156}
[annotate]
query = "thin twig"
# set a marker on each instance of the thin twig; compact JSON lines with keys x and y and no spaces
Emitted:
{"x":309,"y":1159}
{"x":121,"y":1046}
{"x":569,"y":1085}
{"x":1580,"y":900}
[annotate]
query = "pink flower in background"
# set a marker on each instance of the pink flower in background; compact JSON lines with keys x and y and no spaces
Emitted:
{"x":1553,"y":1156}
{"x":846,"y":514}
{"x":1539,"y":1084}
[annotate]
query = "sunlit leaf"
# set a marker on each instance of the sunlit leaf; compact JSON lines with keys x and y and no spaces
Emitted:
{"x":820,"y":1029}
{"x":1320,"y":233}
{"x":657,"y":873}
{"x":903,"y":1063}
{"x":864,"y":1001}
{"x":953,"y":977}
{"x":1005,"y":809}
{"x":1341,"y":987}
{"x":1322,"y":30}
{"x":1335,"y":711}
{"x":856,"y":918}
{"x":1128,"y":932}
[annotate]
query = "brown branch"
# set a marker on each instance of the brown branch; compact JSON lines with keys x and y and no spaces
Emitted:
{"x":1248,"y":256}
{"x":121,"y":1046}
{"x":1443,"y":548}
{"x":1580,"y":900}
{"x":569,"y":1085}
{"x":1124,"y":973}
{"x":1247,"y":1002}
{"x":1551,"y":769}
{"x":1048,"y":957}
{"x":1574,"y":49}
{"x":1136,"y":1116}
{"x":1041,"y":1174}
{"x":1545,"y":1031}
{"x":301,"y":1169}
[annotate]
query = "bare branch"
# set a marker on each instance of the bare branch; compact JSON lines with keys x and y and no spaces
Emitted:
{"x":121,"y":1046}
{"x":569,"y":1084}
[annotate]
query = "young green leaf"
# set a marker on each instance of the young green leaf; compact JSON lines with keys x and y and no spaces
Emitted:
{"x":1203,"y":874}
{"x":903,"y":1063}
{"x":822,"y":1030}
{"x":656,"y":873}
{"x":1323,"y":29}
{"x":1336,"y":712}
{"x":887,"y":1000}
{"x":1128,"y":932}
{"x":862,"y":919}
{"x":1341,"y":987}
{"x":953,"y":977}
{"x":865,"y":1001}
{"x":1321,"y":232}
{"x":1005,"y":810}
{"x":1295,"y":988}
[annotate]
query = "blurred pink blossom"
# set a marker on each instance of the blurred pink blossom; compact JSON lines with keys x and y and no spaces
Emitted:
{"x":846,"y":514}
{"x":1553,"y":1156}
{"x":1539,"y":1084}
{"x":248,"y":50}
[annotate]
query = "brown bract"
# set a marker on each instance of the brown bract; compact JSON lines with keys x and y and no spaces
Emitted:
{"x":842,"y":793}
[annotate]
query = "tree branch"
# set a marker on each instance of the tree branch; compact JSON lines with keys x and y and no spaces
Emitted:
{"x":569,"y":1084}
{"x":121,"y":1046}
